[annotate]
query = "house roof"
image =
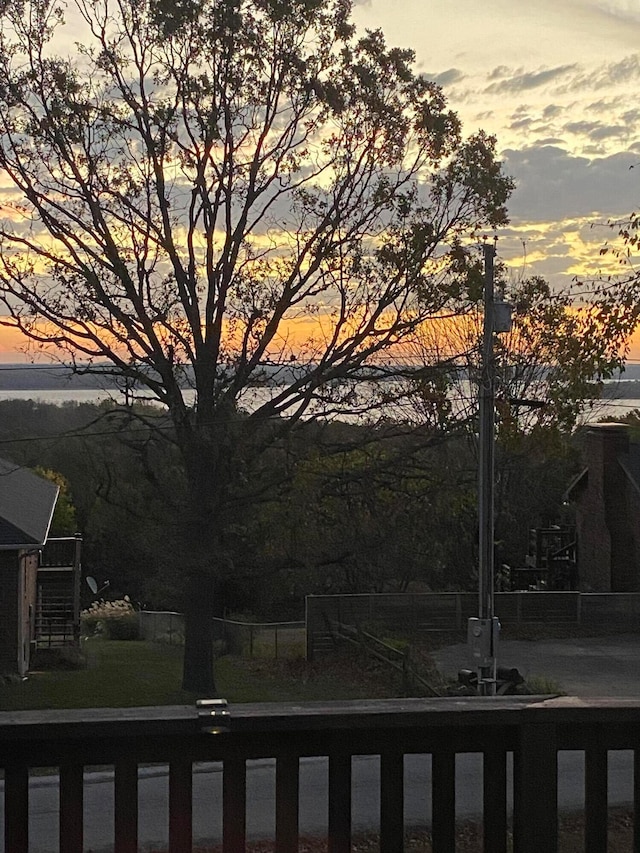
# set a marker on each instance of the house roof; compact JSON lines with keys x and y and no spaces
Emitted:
{"x":27,"y":502}
{"x":576,"y":485}
{"x":628,"y":460}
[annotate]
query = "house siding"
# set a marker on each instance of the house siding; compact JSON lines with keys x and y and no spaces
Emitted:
{"x":9,"y":643}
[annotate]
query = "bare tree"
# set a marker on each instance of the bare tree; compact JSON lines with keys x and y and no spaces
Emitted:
{"x":549,"y":367}
{"x":197,"y":189}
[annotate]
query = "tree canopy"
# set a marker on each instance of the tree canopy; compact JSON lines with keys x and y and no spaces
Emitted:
{"x":202,"y":189}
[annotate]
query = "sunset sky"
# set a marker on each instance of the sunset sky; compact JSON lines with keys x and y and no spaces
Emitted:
{"x":557,"y":83}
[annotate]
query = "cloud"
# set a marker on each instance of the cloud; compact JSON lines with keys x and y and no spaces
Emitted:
{"x":585,"y":127}
{"x":445,"y":78}
{"x":554,"y":185}
{"x":550,"y":140}
{"x":624,"y":10}
{"x":614,"y":131}
{"x":608,"y":105}
{"x":520,"y":82}
{"x":606,"y":76}
{"x":500,"y":72}
{"x":521,"y":123}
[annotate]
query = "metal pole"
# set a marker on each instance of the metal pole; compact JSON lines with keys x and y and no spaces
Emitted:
{"x":486,"y":671}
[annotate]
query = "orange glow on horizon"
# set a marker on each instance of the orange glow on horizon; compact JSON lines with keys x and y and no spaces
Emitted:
{"x":634,"y":346}
{"x":294,"y":338}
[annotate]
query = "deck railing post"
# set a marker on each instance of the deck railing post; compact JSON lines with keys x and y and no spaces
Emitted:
{"x":443,"y":800}
{"x":339,"y":803}
{"x":535,"y":796}
{"x":71,"y":808}
{"x":595,"y":797}
{"x":234,"y":805}
{"x":287,"y":798}
{"x":494,"y":772}
{"x":126,"y":806}
{"x":180,"y":806}
{"x":16,"y":809}
{"x":392,"y":802}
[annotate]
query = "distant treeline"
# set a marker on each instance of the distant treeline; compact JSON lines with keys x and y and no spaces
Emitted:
{"x":101,"y":377}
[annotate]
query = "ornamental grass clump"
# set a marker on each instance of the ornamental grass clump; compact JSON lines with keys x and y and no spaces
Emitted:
{"x":115,"y":620}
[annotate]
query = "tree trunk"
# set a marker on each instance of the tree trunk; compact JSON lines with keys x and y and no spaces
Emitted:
{"x":207,"y":459}
{"x":197,"y":674}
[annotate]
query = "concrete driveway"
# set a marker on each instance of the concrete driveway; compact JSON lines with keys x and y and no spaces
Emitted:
{"x":586,"y":666}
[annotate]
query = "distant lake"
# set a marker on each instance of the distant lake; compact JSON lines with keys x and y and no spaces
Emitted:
{"x":59,"y":397}
{"x":252,"y":398}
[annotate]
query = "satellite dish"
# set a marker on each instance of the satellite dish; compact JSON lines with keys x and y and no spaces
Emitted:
{"x":92,"y":583}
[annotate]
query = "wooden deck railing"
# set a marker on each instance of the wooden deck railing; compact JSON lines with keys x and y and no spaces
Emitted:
{"x":533,"y":729}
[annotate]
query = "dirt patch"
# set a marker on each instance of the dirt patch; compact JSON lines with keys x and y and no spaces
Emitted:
{"x":468,"y":838}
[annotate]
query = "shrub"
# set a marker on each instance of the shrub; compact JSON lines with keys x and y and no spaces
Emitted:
{"x":116,"y":620}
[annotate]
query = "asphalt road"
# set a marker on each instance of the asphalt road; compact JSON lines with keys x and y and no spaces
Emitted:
{"x":587,"y":666}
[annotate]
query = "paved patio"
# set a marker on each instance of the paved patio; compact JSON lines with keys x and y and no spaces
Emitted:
{"x":585,"y":666}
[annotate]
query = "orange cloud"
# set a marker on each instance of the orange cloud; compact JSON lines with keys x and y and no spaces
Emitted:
{"x":14,"y":346}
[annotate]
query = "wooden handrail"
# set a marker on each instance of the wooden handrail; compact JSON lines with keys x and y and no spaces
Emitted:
{"x":532,"y":728}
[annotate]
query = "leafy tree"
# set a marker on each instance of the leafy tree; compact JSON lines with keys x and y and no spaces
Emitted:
{"x":64,"y":521}
{"x":191,"y":184}
{"x":392,"y":507}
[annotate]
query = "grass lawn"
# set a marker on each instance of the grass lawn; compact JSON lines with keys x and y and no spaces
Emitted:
{"x":119,"y":674}
{"x":131,"y":673}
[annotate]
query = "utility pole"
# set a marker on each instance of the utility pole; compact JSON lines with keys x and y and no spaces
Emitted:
{"x":483,"y":631}
{"x":486,"y":441}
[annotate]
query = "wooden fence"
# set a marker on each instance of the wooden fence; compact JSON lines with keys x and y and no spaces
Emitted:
{"x":252,"y":639}
{"x":449,"y":611}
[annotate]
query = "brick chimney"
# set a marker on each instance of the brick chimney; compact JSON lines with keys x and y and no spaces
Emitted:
{"x":605,"y":540}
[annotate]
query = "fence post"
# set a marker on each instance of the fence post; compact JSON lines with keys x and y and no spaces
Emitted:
{"x":406,"y":671}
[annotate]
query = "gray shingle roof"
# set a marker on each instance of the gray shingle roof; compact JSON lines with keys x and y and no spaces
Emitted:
{"x":27,"y":502}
